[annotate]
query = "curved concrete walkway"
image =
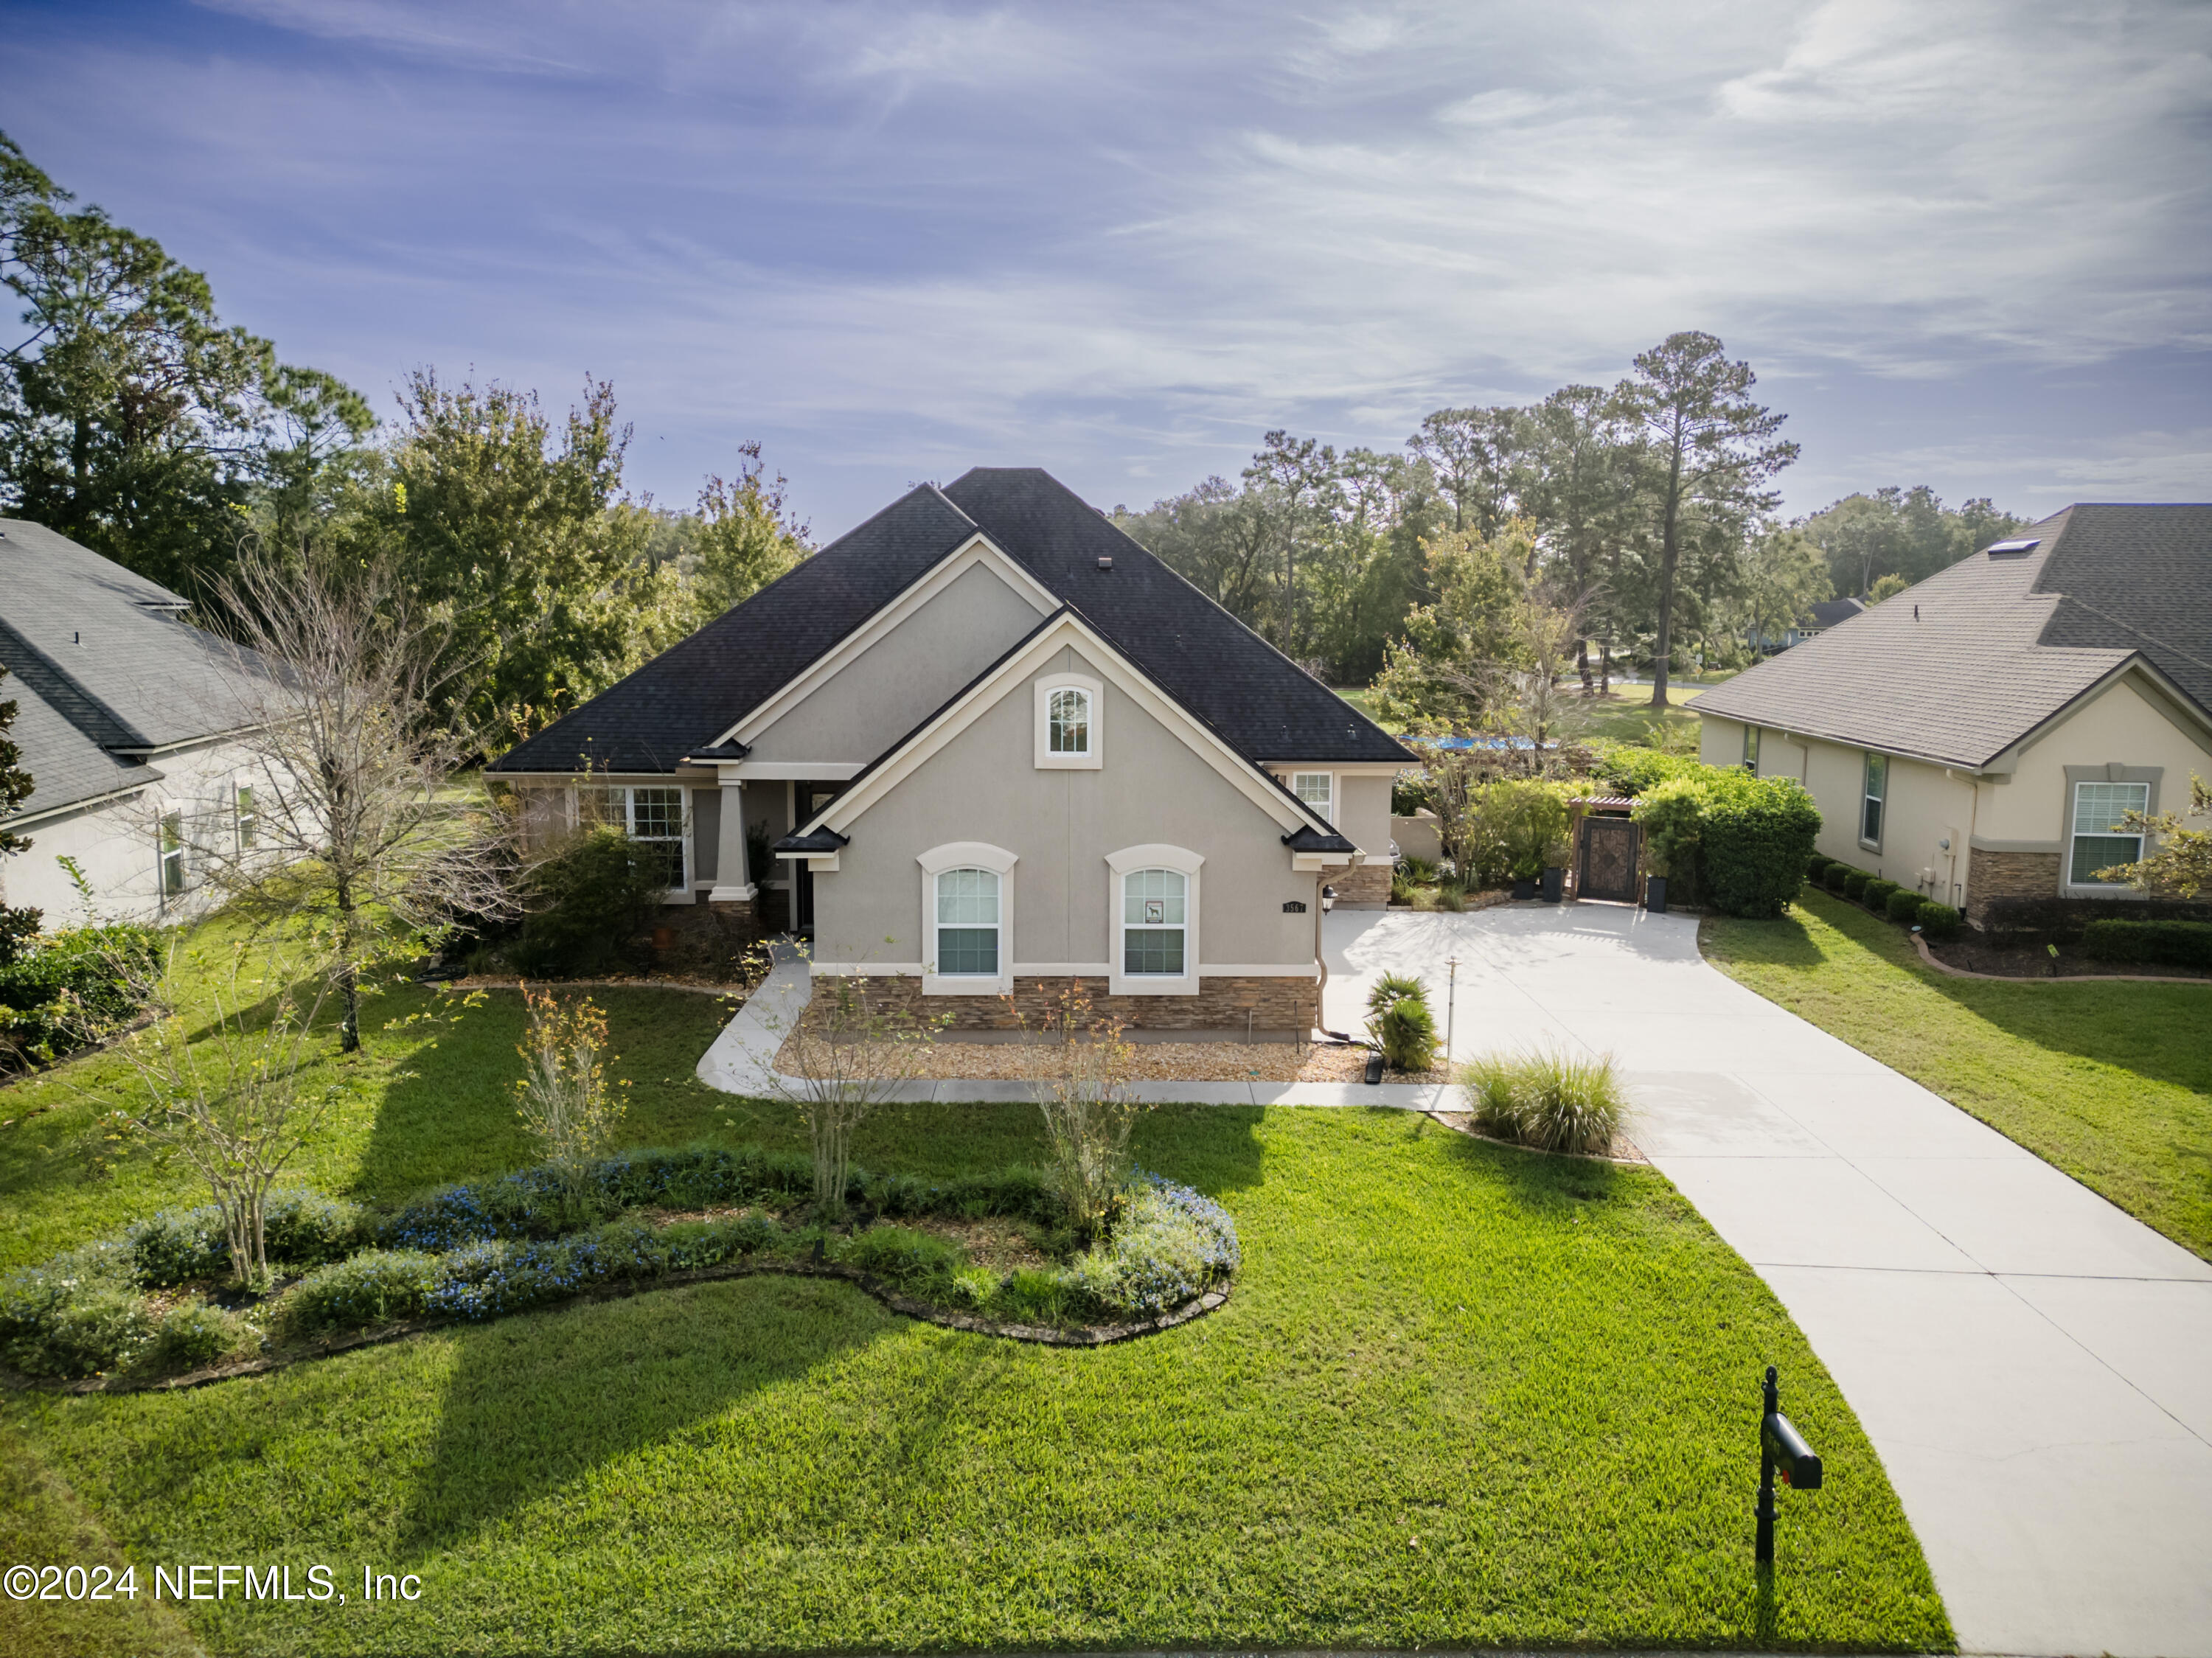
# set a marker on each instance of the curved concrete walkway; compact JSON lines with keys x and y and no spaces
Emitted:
{"x":2035,"y":1366}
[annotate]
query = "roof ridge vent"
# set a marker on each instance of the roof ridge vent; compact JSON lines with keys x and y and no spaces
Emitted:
{"x":2013,"y":548}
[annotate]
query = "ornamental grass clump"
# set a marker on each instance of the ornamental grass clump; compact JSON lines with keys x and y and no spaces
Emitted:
{"x":1551,"y":1100}
{"x":1081,"y":1067}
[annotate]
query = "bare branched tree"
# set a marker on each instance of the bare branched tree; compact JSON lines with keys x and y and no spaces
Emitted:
{"x":363,"y":827}
{"x":221,"y":1087}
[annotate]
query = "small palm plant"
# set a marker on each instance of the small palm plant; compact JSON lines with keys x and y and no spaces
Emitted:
{"x":1400,"y":1022}
{"x":1393,"y":987}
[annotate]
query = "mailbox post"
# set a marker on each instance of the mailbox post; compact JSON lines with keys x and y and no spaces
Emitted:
{"x":1782,"y":1449}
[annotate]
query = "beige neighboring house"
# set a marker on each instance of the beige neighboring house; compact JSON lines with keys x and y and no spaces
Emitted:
{"x":1980,"y":736}
{"x":987,"y":743}
{"x":129,"y":720}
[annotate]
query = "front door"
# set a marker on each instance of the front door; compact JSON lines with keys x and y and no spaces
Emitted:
{"x":1608,"y":859}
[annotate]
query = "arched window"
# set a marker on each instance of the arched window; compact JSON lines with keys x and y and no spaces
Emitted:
{"x":1067,"y":727}
{"x":1155,"y":919}
{"x":966,"y":942}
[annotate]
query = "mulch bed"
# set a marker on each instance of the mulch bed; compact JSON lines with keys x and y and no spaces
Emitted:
{"x":1972,"y":953}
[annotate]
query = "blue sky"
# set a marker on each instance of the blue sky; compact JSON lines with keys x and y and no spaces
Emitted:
{"x":1962,"y":244}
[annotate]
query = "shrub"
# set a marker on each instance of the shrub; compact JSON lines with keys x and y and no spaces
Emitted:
{"x":1633,"y":770}
{"x":178,"y":1245}
{"x":1904,"y":906}
{"x":1671,"y":814}
{"x":1875,"y":897}
{"x":78,"y":1314}
{"x":693,"y":1245}
{"x":1419,"y":872}
{"x":306,"y":1229}
{"x":1551,"y":1100}
{"x":1755,"y":837}
{"x":562,"y":1098}
{"x":193,"y":1334}
{"x":1937,"y":920}
{"x":1406,"y":1031}
{"x":1451,"y":896}
{"x":1171,"y":1246}
{"x":588,"y":903}
{"x":377,"y":1286}
{"x":2064,"y":920}
{"x":1855,"y":882}
{"x":1835,"y":875}
{"x":2171,"y":944}
{"x":66,"y":984}
{"x":1816,"y":866}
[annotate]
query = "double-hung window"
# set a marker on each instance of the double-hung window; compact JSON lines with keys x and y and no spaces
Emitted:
{"x":1318,"y":790}
{"x":2100,"y":838}
{"x":1873,"y":797}
{"x":170,"y":840}
{"x":245,"y":822}
{"x":1155,"y":912}
{"x":967,"y":924}
{"x":650,"y":814}
{"x":1751,"y":750}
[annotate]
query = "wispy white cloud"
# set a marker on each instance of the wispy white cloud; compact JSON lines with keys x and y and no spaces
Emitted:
{"x":1130,"y":238}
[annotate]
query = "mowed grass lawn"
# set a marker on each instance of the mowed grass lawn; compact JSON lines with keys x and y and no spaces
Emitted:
{"x":2109,"y":1081}
{"x":1462,"y":1395}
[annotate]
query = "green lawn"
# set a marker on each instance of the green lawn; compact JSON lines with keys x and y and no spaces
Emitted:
{"x":2111,"y":1082}
{"x":1462,"y":1395}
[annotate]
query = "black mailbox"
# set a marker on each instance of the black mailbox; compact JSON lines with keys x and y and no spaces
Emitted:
{"x":1793,"y":1458}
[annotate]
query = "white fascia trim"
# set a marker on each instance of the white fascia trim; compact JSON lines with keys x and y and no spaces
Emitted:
{"x":968,"y":855}
{"x":1152,"y":855}
{"x":779,"y":771}
{"x":1063,"y":969}
{"x":1345,"y":767}
{"x":978,"y":549}
{"x":1262,"y":970}
{"x":1092,"y":757}
{"x":41,"y":814}
{"x":1260,"y":789}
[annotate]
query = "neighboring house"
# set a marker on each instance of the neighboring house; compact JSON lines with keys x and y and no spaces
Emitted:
{"x":128,"y":718}
{"x":1818,"y":618}
{"x":996,"y":745}
{"x":1980,"y":736}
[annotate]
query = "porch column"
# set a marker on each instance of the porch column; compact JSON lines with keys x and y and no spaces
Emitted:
{"x":733,"y":881}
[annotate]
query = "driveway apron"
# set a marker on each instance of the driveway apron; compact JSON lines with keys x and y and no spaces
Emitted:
{"x":2033,"y":1366}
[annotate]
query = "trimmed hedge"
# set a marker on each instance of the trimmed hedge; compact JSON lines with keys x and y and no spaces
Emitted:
{"x":1834,"y":877}
{"x":1741,"y":843}
{"x":1904,"y":906}
{"x":1855,"y":882}
{"x":2166,"y":943}
{"x":1877,"y":894}
{"x":1937,"y":920}
{"x":1816,"y":866}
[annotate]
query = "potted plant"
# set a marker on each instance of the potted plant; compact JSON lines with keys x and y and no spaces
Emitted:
{"x":1555,"y":873}
{"x":1525,"y":871}
{"x":1655,"y":884}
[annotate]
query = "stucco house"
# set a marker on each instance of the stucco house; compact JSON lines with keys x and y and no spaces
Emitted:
{"x":129,"y":720}
{"x":1979,"y":736}
{"x":989,"y":744}
{"x":1818,"y":618}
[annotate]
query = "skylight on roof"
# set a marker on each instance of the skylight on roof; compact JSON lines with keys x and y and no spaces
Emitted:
{"x":2012,"y":549}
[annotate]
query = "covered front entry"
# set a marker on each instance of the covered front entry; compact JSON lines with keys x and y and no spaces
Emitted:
{"x":1605,"y":862}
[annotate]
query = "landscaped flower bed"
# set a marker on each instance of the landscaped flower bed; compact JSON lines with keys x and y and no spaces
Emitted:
{"x":531,"y":1239}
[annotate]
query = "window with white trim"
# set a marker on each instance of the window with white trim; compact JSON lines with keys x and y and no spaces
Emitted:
{"x":1874,"y":795}
{"x":650,"y":814}
{"x":1068,"y":720}
{"x":245,"y":821}
{"x":1155,"y":914}
{"x":1318,"y":790}
{"x":170,"y":839}
{"x":2100,"y":839}
{"x":966,"y":942}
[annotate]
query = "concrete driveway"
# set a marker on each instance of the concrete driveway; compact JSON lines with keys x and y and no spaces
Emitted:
{"x":2035,"y":1367}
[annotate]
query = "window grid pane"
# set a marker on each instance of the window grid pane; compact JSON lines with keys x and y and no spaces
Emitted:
{"x":968,"y":897}
{"x":2095,"y":852}
{"x":656,"y":814}
{"x":967,"y":949}
{"x":1152,"y":950}
{"x":2098,"y":807}
{"x":1154,"y":897}
{"x":1070,"y":723}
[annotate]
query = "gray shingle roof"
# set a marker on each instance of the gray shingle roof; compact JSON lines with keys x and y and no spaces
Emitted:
{"x":1259,"y":702}
{"x":1962,"y":667}
{"x":102,"y":660}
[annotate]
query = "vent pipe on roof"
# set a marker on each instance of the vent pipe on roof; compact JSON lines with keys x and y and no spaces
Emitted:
{"x":1106,"y":563}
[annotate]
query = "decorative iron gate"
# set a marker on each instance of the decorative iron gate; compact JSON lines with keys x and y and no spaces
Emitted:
{"x":1608,"y":859}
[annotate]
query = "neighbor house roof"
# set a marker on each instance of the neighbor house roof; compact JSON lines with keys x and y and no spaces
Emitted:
{"x":104,"y":669}
{"x":1963,"y":666}
{"x":1256,"y":698}
{"x":1831,"y":611}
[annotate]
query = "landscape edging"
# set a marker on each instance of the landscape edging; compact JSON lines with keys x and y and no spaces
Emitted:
{"x":1089,"y":1335}
{"x":2051,"y":978}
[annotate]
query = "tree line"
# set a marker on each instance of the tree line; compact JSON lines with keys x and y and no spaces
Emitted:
{"x":135,"y":421}
{"x":1643,"y":516}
